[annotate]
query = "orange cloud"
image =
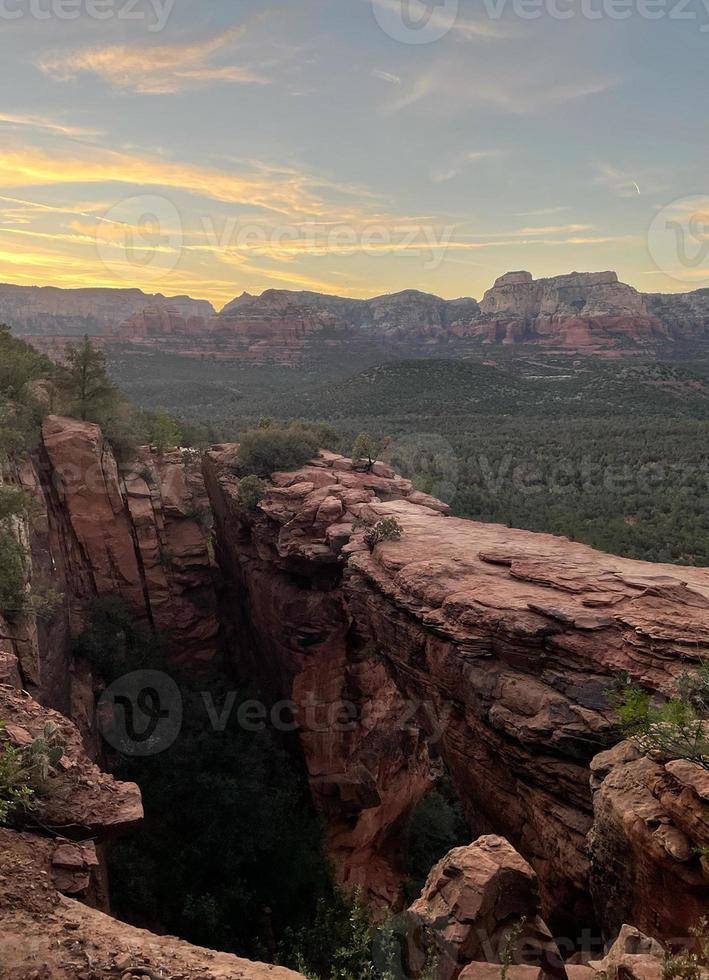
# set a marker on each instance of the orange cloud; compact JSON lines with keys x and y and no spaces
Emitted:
{"x":157,"y":70}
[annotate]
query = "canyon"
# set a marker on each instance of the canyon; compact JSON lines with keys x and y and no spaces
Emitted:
{"x":577,"y":312}
{"x":474,"y":648}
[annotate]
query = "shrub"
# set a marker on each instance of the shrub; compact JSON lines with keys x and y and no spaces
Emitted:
{"x":677,"y":728}
{"x":24,"y":772}
{"x":690,"y":964}
{"x":251,"y":491}
{"x":345,"y":944}
{"x":15,"y":792}
{"x":42,"y":757}
{"x":388,"y":529}
{"x":262,"y":451}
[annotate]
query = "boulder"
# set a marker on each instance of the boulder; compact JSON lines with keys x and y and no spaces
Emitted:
{"x":481,"y":902}
{"x":633,"y":956}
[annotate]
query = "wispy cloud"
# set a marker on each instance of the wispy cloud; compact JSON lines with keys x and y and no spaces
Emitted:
{"x":542,"y":212}
{"x":461,"y":163}
{"x":439,"y":18}
{"x":161,"y":69}
{"x":32,"y":121}
{"x":284,"y":191}
{"x":452,"y":87}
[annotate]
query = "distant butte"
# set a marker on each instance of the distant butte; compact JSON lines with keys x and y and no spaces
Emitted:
{"x":590,"y":312}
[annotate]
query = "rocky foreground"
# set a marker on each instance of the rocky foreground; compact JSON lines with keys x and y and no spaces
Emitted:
{"x":476,"y":647}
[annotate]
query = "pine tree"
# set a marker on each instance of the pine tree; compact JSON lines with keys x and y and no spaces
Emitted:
{"x":87,"y":382}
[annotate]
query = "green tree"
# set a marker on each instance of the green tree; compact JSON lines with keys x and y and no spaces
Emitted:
{"x":86,"y":382}
{"x":677,"y":728}
{"x":165,"y":432}
{"x":364,"y":449}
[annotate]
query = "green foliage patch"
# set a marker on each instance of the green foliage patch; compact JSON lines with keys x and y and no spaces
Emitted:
{"x":677,"y":728}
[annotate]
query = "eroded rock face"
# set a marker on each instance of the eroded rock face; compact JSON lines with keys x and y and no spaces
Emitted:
{"x":503,"y":642}
{"x":473,"y":899}
{"x":577,"y":311}
{"x":141,"y":534}
{"x":651,"y":826}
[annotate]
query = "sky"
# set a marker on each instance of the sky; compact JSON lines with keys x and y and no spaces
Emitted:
{"x":355,"y":147}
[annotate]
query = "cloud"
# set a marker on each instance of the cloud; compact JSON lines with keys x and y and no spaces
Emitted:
{"x":31,"y":121}
{"x":283,"y":191}
{"x":542,"y":212}
{"x":460,"y":163}
{"x":454,"y":86}
{"x":439,"y":18}
{"x":386,"y":76}
{"x":551,"y":230}
{"x":162,"y":69}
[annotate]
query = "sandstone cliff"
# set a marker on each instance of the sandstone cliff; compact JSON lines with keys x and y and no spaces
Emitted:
{"x":142,"y":534}
{"x":498,"y":644}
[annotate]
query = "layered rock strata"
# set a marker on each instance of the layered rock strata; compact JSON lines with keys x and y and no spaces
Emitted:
{"x":502,"y":644}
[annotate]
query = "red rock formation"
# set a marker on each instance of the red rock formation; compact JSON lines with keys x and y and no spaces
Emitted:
{"x":648,"y":844}
{"x":506,"y":641}
{"x":48,"y":310}
{"x":578,"y":311}
{"x":473,"y":900}
{"x":142,"y":534}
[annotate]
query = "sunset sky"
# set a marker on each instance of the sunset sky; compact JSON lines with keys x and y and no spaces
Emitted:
{"x":248,"y":144}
